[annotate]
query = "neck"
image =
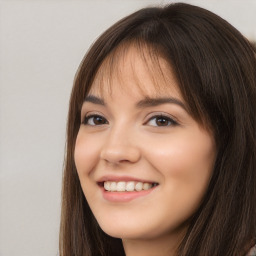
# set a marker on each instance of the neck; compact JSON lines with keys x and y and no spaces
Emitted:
{"x":163,"y":246}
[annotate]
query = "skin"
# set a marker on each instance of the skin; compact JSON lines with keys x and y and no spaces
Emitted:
{"x":132,"y":140}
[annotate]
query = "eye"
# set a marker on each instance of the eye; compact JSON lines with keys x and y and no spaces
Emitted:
{"x":161,"y":120}
{"x":94,"y":120}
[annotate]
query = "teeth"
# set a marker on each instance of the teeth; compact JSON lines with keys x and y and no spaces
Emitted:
{"x":147,"y":186}
{"x":120,"y":186}
{"x":139,"y":186}
{"x":129,"y":186}
{"x":107,"y":185}
{"x":112,"y":186}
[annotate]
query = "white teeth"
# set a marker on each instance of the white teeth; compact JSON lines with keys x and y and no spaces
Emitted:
{"x":129,"y":186}
{"x":107,"y":185}
{"x":120,"y":186}
{"x":112,"y":186}
{"x":139,"y":186}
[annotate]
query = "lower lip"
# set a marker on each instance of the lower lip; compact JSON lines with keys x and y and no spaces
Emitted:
{"x":124,"y":196}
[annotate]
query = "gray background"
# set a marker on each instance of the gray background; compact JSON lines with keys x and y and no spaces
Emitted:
{"x":41,"y":46}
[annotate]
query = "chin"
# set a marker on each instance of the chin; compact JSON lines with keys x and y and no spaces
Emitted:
{"x":123,"y":230}
{"x":130,"y":231}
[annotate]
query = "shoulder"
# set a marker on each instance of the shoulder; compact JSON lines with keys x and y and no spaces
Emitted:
{"x":252,"y":252}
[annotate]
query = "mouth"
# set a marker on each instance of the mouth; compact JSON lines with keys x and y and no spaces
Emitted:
{"x":127,"y":186}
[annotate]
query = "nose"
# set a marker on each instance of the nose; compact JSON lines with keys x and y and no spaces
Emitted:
{"x":120,"y":147}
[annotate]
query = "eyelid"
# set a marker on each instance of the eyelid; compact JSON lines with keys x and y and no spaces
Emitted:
{"x":164,"y":115}
{"x":91,"y":114}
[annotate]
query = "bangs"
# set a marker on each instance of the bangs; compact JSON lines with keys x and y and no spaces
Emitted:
{"x":129,"y":56}
{"x":164,"y":72}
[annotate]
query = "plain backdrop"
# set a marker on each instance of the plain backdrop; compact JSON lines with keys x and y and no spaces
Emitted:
{"x":41,"y":46}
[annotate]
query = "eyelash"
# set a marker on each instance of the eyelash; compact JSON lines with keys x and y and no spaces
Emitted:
{"x":87,"y":119}
{"x":170,"y":121}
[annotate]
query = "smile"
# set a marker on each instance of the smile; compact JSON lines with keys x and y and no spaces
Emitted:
{"x":127,"y":186}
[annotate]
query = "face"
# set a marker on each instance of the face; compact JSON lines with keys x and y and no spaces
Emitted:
{"x":143,"y":162}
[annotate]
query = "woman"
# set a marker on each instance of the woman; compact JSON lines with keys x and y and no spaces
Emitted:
{"x":161,"y":140}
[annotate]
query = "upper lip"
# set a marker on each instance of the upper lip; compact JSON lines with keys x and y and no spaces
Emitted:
{"x":123,"y":178}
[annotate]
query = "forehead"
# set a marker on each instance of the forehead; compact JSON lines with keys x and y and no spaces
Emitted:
{"x":135,"y":69}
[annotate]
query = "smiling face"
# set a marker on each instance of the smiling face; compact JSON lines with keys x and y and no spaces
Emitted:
{"x":138,"y":138}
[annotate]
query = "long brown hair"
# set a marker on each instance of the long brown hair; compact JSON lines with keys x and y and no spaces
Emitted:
{"x":216,"y":70}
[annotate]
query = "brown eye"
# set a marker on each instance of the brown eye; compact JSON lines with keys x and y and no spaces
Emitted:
{"x":95,"y":120}
{"x":161,"y":121}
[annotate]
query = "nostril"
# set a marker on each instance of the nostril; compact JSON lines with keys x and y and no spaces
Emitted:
{"x":120,"y":154}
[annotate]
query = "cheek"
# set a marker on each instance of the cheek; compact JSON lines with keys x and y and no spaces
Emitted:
{"x":86,"y":153}
{"x":182,"y":155}
{"x":86,"y":156}
{"x":185,"y":163}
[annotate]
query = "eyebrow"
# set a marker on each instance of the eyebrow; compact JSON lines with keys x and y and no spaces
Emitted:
{"x":94,"y":100}
{"x":151,"y":102}
{"x":147,"y":102}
